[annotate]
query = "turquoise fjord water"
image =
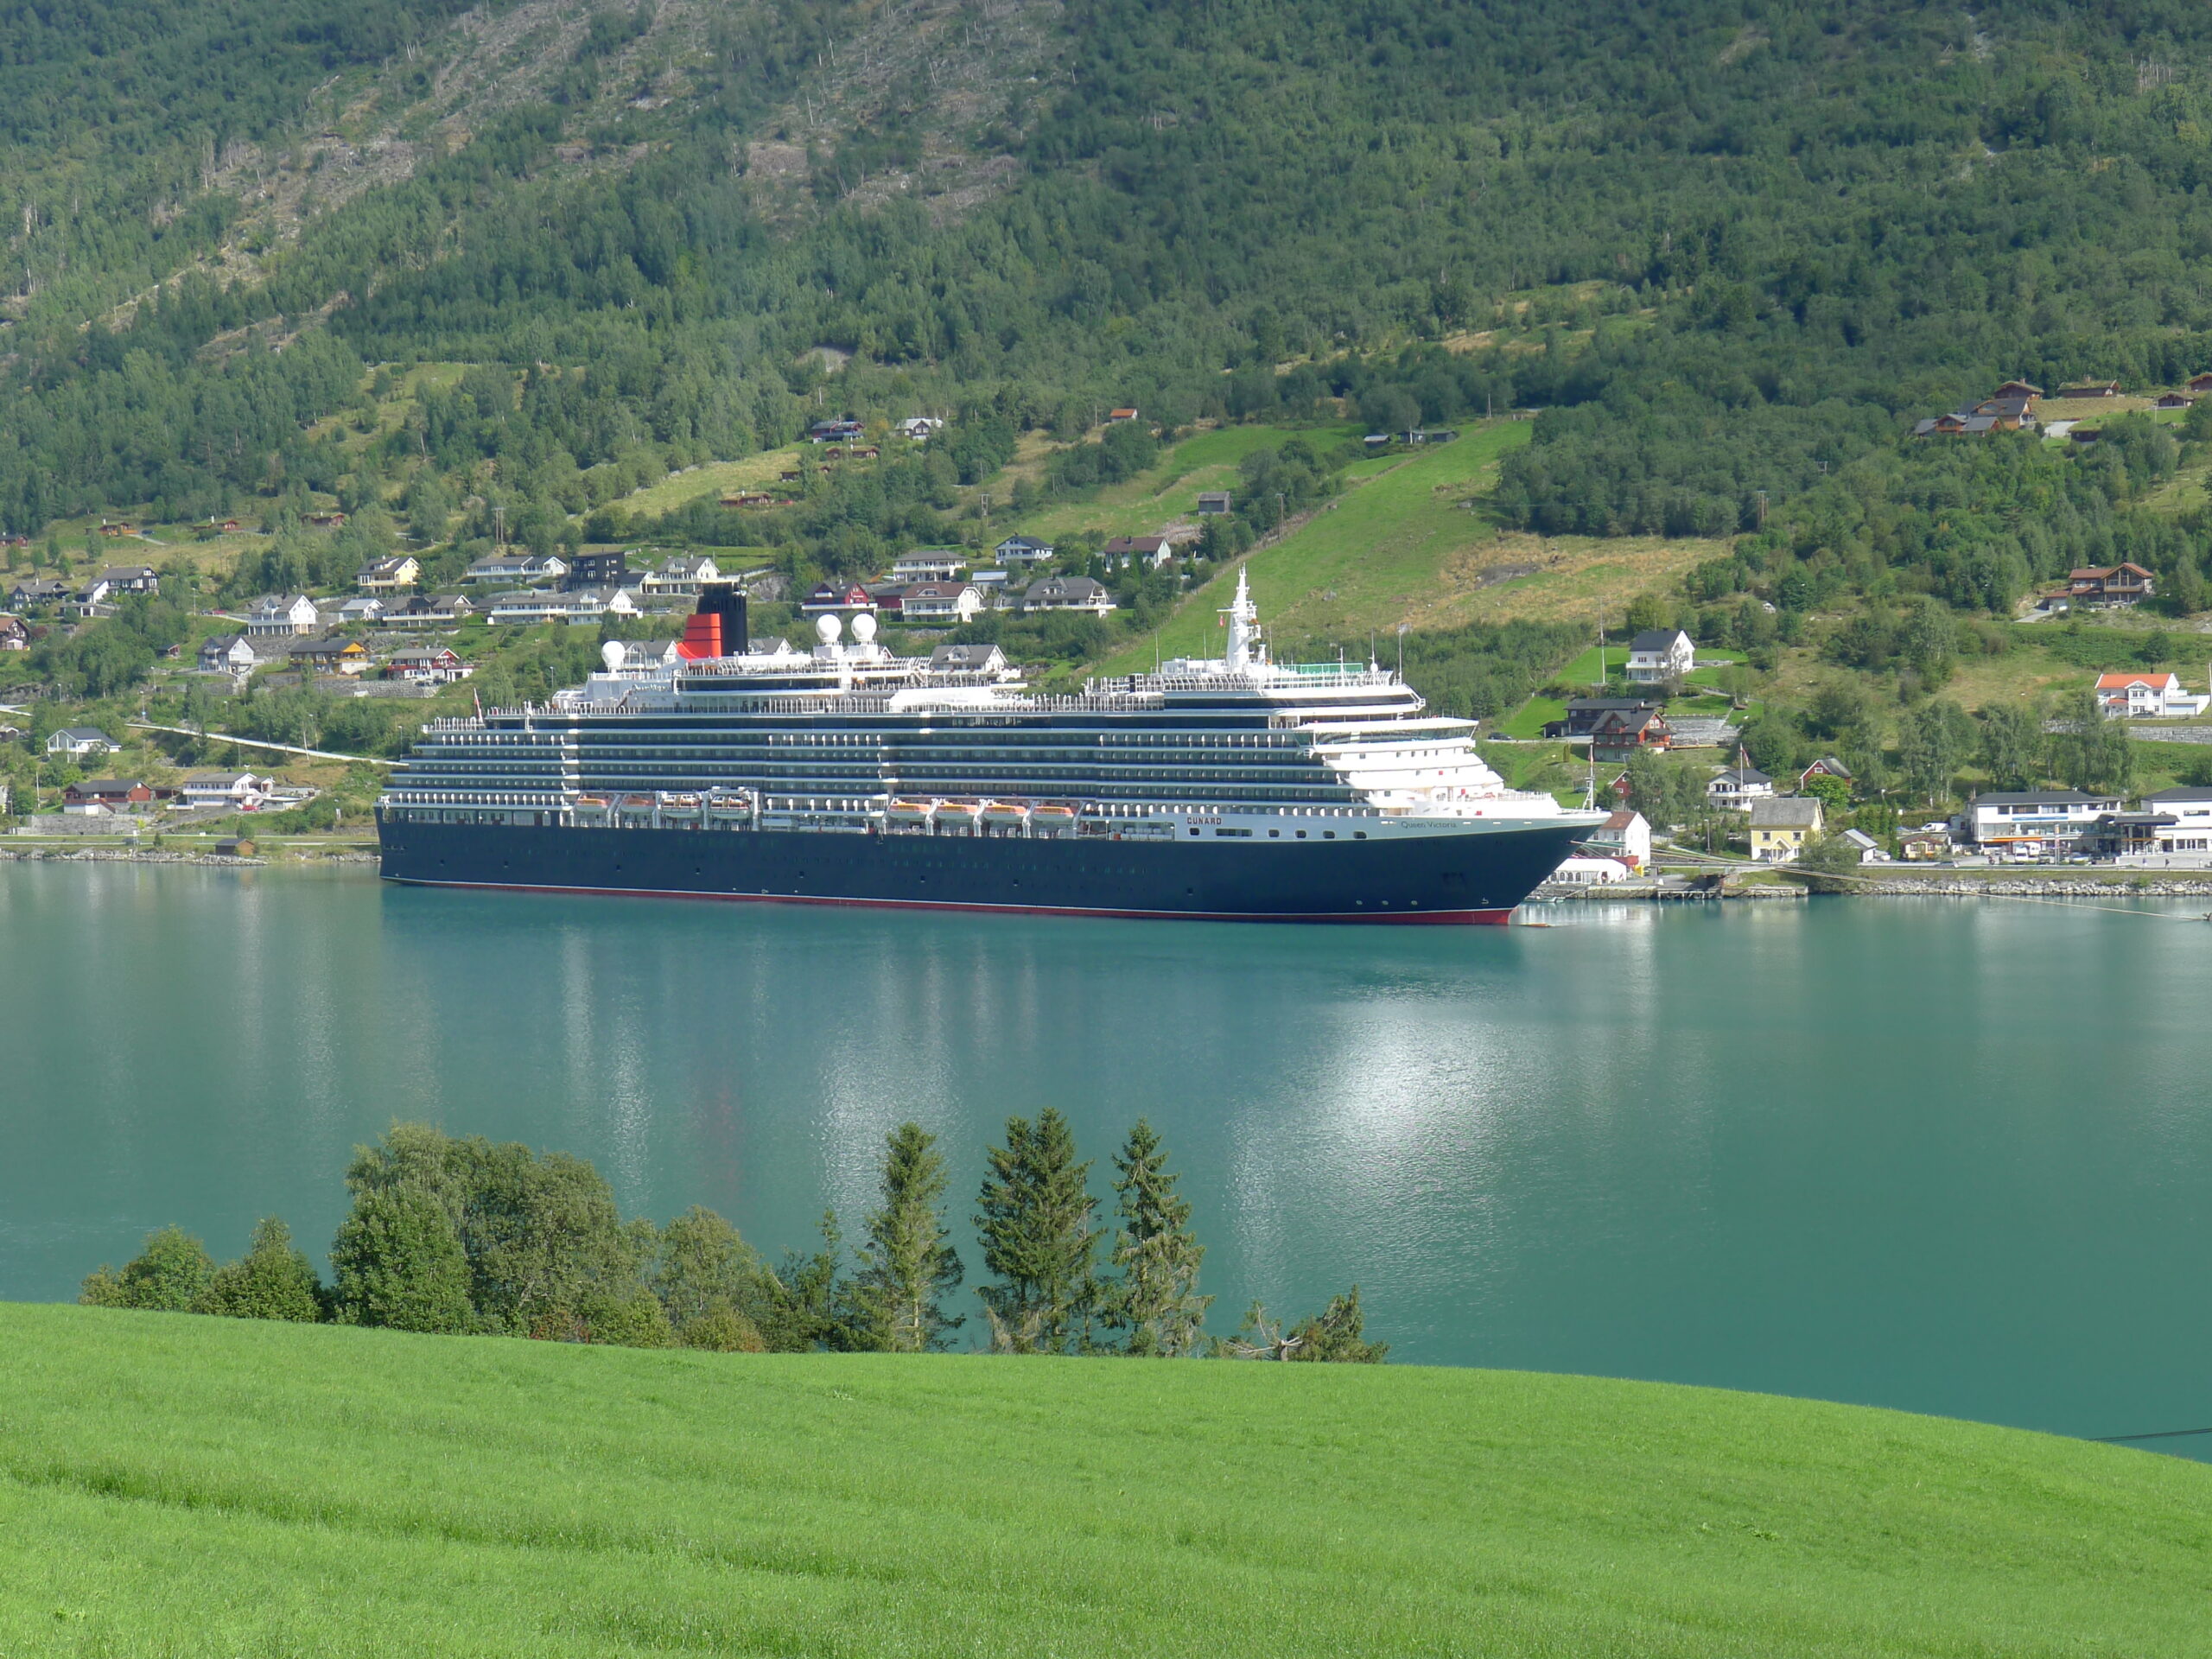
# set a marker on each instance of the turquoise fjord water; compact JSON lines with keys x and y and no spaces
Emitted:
{"x":1953,"y":1157}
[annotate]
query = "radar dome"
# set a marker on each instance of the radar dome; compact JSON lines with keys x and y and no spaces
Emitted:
{"x":863,"y":627}
{"x":827,"y":630}
{"x":611,"y":654}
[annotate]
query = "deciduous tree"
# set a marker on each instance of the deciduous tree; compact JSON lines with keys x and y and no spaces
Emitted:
{"x":274,"y":1280}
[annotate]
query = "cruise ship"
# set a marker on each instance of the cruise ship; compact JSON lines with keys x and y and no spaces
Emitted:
{"x":1234,"y":788}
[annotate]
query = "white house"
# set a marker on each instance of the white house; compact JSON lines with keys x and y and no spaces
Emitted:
{"x":360,"y":611}
{"x":1737,"y":790}
{"x":969,"y":660}
{"x":1067,"y":594}
{"x":281,"y":613}
{"x":583,"y":604}
{"x":241,"y":791}
{"x":1625,"y":836}
{"x":918,"y":427}
{"x":929,"y":565}
{"x":940,"y":601}
{"x":2147,"y":696}
{"x":228,"y":653}
{"x":1658,"y":655}
{"x":502,"y":568}
{"x":1022,"y":549}
{"x":1583,"y":872}
{"x":1150,"y":551}
{"x":78,"y":741}
{"x":1870,"y":850}
{"x":132,"y":579}
{"x":2030,"y":824}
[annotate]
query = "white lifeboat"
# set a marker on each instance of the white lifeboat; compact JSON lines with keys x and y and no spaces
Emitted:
{"x":910,"y":811}
{"x":679,"y":806}
{"x":1006,"y":813}
{"x":729,"y":803}
{"x":960,"y":815}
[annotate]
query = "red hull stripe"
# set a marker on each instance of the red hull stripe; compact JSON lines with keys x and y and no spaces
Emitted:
{"x":1428,"y":917}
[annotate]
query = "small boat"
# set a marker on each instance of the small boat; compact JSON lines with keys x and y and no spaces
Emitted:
{"x":729,"y":803}
{"x":679,"y":806}
{"x":1006,"y":812}
{"x":961,"y":815}
{"x":1052,"y":817}
{"x":910,"y":811}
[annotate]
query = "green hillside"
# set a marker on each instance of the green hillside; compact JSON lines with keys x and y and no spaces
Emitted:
{"x":188,"y":1486}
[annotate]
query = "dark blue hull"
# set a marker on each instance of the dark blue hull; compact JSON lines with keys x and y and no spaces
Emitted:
{"x":1441,"y":879}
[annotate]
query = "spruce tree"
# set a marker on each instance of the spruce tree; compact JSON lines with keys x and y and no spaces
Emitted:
{"x":272,"y":1280}
{"x":1156,"y":1299}
{"x":1034,"y":1215}
{"x":398,"y":1262}
{"x":907,"y":1268}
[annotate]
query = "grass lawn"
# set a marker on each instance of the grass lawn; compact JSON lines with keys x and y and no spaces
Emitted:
{"x":180,"y":1486}
{"x":1167,"y":492}
{"x":715,"y":478}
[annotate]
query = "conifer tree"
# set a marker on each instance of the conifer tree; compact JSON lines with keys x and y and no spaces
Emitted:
{"x":907,"y":1268}
{"x":1155,"y":1300}
{"x":272,"y":1280}
{"x":398,"y":1262}
{"x":1034,"y":1214}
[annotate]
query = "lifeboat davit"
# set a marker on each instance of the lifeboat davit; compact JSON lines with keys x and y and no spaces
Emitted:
{"x":729,"y":803}
{"x":679,"y":806}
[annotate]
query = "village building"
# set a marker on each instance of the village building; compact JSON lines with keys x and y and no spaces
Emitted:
{"x":236,"y":792}
{"x":1583,"y":713}
{"x":333,"y":656}
{"x":1022,"y":549}
{"x":2033,"y":823}
{"x":578,"y":605}
{"x":929,"y":565}
{"x":1660,"y":656}
{"x":132,"y":579}
{"x":508,"y":569}
{"x":79,"y":741}
{"x":14,"y":636}
{"x":2089,"y":389}
{"x":2098,"y":586}
{"x":2147,"y":696}
{"x":1150,"y":551}
{"x":98,"y":797}
{"x":602,"y":569}
{"x":969,"y":660}
{"x":940,"y":601}
{"x":837,"y":598}
{"x":389,"y":576}
{"x":228,"y":653}
{"x":1735,"y":790}
{"x":1212,"y":503}
{"x":1067,"y":594}
{"x":278,"y":613}
{"x":429,"y":665}
{"x":1625,"y":836}
{"x":38,"y":593}
{"x":680,"y":577}
{"x":363,"y":610}
{"x":1782,"y":824}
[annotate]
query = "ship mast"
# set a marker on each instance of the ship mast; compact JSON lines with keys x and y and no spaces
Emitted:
{"x":1244,"y":648}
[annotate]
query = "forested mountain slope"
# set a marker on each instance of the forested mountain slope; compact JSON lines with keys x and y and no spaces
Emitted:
{"x":1732,"y":248}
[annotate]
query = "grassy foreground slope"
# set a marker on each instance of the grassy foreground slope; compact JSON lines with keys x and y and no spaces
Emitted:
{"x":179,"y":1485}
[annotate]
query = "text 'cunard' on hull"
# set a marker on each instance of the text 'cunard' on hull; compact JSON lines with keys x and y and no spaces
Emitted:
{"x":1233,"y":788}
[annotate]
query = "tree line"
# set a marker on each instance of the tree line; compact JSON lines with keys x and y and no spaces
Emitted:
{"x":463,"y":1236}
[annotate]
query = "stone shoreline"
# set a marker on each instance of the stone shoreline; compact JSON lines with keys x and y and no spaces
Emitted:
{"x":164,"y":856}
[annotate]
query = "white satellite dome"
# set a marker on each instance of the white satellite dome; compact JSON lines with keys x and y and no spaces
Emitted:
{"x":826,"y":629}
{"x":611,"y":653}
{"x":864,"y":627}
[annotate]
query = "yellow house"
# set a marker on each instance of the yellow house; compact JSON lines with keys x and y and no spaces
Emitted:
{"x":1782,"y":824}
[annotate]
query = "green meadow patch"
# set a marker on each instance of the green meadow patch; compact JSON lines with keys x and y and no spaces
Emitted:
{"x":185,"y":1486}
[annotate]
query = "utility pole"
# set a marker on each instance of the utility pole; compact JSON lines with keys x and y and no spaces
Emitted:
{"x":1762,"y":496}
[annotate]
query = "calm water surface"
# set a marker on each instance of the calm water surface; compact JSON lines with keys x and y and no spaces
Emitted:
{"x":1947,"y":1156}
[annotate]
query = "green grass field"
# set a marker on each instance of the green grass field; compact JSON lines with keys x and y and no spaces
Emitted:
{"x":1362,"y":562}
{"x":171,"y":1485}
{"x":1167,"y":492}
